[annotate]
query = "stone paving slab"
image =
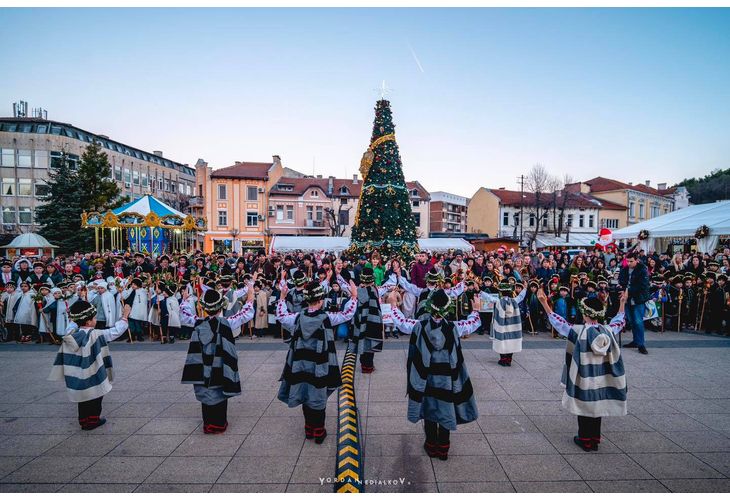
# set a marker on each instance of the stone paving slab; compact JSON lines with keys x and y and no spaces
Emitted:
{"x":675,"y":438}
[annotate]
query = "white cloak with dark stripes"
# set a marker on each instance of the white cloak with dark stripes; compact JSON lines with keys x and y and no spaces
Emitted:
{"x":506,"y":326}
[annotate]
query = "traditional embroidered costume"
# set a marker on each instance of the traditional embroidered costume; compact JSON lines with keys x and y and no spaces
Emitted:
{"x":506,"y":323}
{"x":212,"y":362}
{"x":84,"y":363}
{"x":439,"y":389}
{"x":311,"y":372}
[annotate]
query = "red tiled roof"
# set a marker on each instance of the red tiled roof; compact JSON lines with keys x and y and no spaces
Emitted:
{"x":600,"y":184}
{"x":243,"y":170}
{"x":575,"y":200}
{"x":301,"y":184}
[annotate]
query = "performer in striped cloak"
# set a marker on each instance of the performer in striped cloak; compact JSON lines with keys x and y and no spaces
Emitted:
{"x":593,"y":375}
{"x":311,"y":372}
{"x":439,"y":389}
{"x":368,"y":319}
{"x":434,"y":280}
{"x":212,"y":362}
{"x":506,"y":323}
{"x":84,"y":363}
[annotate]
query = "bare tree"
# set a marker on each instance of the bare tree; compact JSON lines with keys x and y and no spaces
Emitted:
{"x":563,"y":205}
{"x":538,"y":182}
{"x":334,"y":219}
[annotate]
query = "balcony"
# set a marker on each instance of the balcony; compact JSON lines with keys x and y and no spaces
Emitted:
{"x":314,"y":223}
{"x":196,"y":202}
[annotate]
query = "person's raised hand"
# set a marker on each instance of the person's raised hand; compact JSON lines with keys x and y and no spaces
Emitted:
{"x":541,"y":295}
{"x":353,"y":289}
{"x":284,"y":291}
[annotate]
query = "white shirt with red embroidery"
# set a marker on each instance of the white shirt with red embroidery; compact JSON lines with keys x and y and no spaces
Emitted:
{"x":462,"y":327}
{"x":235,"y":321}
{"x":409,"y":287}
{"x":563,"y":327}
{"x":288,"y":320}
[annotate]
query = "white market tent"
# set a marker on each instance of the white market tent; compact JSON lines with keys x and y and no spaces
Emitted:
{"x":580,"y":240}
{"x":683,"y":224}
{"x":28,"y":244}
{"x":339,"y":244}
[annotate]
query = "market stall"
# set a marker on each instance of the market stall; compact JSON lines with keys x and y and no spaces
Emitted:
{"x":705,"y":223}
{"x":29,"y":245}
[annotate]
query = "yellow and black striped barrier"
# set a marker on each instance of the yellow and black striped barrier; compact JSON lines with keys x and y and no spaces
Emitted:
{"x":349,"y":452}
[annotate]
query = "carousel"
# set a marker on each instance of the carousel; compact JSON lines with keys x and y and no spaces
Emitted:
{"x":145,"y":225}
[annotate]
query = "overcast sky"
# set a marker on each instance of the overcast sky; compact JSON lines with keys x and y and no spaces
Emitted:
{"x":478,"y":95}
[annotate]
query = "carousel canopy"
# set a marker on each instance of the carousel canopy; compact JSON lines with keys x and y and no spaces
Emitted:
{"x":683,"y":223}
{"x":29,"y":240}
{"x":146,"y":205}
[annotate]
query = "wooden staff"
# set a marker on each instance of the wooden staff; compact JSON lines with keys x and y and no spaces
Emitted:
{"x":661,"y":293}
{"x":702,"y":314}
{"x":679,"y":313}
{"x":532,"y":326}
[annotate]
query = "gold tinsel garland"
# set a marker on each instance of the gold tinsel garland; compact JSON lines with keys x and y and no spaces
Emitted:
{"x":366,"y":163}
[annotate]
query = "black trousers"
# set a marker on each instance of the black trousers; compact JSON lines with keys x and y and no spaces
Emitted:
{"x":312,"y":417}
{"x":367,"y":358}
{"x":216,"y":414}
{"x":589,"y":427}
{"x":436,"y":433}
{"x":90,"y":408}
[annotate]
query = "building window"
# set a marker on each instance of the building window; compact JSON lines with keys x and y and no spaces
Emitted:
{"x":343,"y":190}
{"x":416,"y":203}
{"x":581,"y":220}
{"x":252,"y":219}
{"x":222,"y":217}
{"x":417,"y":219}
{"x":279,"y":213}
{"x":345,"y":217}
{"x":611,"y":223}
{"x":127,"y":176}
{"x":532,"y":220}
{"x":25,"y":216}
{"x":505,"y":219}
{"x":135,"y":177}
{"x":41,"y":159}
{"x":252,"y":193}
{"x":222,"y":191}
{"x":590,"y":220}
{"x":314,"y":193}
{"x":7,"y":157}
{"x":654,"y":211}
{"x":9,"y":215}
{"x":118,"y":173}
{"x":290,"y":212}
{"x":631,"y":209}
{"x":24,"y":187}
{"x":320,"y":214}
{"x":24,"y":158}
{"x":173,"y":186}
{"x":145,"y":182}
{"x":200,"y":190}
{"x":641,"y":210}
{"x":310,"y":212}
{"x":570,"y":220}
{"x":8,"y":186}
{"x":42,"y":189}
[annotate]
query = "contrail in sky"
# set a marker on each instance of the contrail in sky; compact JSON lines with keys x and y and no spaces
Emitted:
{"x":415,"y":57}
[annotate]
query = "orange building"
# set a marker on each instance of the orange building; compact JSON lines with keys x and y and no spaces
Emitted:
{"x":235,"y":201}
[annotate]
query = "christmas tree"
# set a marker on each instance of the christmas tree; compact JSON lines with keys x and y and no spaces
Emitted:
{"x":384,"y":221}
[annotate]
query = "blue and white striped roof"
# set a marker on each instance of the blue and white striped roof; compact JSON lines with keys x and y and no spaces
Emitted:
{"x":147,"y":204}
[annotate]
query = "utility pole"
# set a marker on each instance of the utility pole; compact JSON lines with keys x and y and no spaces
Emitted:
{"x":522,"y":202}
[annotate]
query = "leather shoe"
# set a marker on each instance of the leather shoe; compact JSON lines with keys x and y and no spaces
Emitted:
{"x":643,"y":350}
{"x":632,"y":345}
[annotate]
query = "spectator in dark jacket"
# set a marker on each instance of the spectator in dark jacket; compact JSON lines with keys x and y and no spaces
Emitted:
{"x":419,"y":270}
{"x":634,"y":277}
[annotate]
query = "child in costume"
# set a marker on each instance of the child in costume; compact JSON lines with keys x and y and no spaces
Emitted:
{"x":212,"y":362}
{"x":593,"y":375}
{"x":136,"y":296}
{"x":311,"y":372}
{"x":439,"y":389}
{"x":84,"y":362}
{"x":506,"y":323}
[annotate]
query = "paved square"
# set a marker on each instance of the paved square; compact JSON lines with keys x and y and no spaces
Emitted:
{"x":675,"y":438}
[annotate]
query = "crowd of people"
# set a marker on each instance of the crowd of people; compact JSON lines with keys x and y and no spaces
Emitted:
{"x":86,"y":301}
{"x":677,"y":292}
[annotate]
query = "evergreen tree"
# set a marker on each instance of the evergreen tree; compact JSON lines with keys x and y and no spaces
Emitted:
{"x":72,"y":191}
{"x":60,"y":215}
{"x":95,"y":171}
{"x":384,"y":220}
